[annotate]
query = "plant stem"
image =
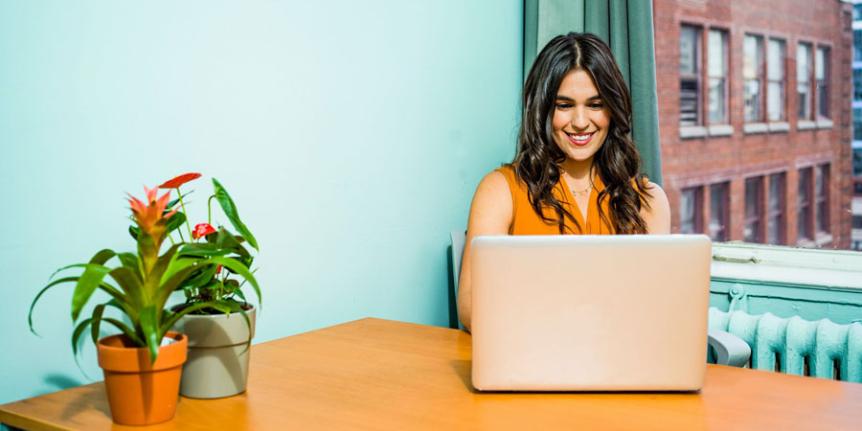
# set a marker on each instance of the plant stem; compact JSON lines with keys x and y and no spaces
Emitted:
{"x":210,"y":209}
{"x":183,"y":205}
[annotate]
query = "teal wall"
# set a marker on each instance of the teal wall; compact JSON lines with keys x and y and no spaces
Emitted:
{"x":351,"y":135}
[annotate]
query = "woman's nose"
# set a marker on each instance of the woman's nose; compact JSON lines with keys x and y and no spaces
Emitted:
{"x":580,"y":121}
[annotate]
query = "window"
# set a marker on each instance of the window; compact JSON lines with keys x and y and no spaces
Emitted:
{"x":776,"y":96}
{"x":857,"y":124}
{"x":689,"y":76}
{"x":857,"y":12}
{"x":752,"y":74}
{"x":775,"y":224}
{"x":857,"y":83}
{"x":821,"y":198}
{"x":719,"y":211}
{"x":753,"y":231}
{"x":857,"y":162}
{"x":690,"y":210}
{"x":803,"y":80}
{"x":717,"y":70}
{"x":821,"y":74}
{"x":804,"y":227}
{"x":857,"y":45}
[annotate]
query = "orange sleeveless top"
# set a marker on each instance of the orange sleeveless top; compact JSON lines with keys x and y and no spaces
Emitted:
{"x":525,"y":221}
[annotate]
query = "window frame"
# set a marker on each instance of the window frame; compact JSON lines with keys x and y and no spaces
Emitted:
{"x":822,"y":84}
{"x":723,"y":214}
{"x":759,"y":77}
{"x":821,"y":200}
{"x":725,"y":54}
{"x":696,"y":76}
{"x":809,"y":104}
{"x":757,"y":219}
{"x":782,"y":81}
{"x":697,"y":215}
{"x":807,"y":235}
{"x":776,"y":215}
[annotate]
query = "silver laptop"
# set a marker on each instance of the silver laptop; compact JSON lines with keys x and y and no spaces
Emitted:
{"x":590,"y":313}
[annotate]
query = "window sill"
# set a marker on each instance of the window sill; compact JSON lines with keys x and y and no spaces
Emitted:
{"x":782,"y":126}
{"x":824,"y":123}
{"x":835,"y":269}
{"x":752,"y":128}
{"x":689,"y":132}
{"x":822,"y":238}
{"x":720,"y":130}
{"x":805,"y":125}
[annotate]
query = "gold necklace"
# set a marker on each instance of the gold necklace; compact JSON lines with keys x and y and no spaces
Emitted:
{"x":580,"y":192}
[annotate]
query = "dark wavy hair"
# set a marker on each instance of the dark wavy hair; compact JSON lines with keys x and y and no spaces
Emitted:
{"x":617,"y":161}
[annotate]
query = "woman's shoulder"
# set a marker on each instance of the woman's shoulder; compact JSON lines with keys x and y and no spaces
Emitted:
{"x":656,"y":212}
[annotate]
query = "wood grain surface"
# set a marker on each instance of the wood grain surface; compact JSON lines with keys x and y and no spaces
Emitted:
{"x":376,"y":374}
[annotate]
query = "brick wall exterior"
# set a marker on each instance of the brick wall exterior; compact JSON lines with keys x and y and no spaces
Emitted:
{"x":707,"y":160}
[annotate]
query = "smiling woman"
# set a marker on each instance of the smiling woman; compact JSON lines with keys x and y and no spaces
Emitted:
{"x":577,"y":170}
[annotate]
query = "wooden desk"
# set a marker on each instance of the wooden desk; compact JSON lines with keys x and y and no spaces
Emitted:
{"x":378,"y":374}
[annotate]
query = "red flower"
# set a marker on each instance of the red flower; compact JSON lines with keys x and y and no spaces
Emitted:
{"x":150,"y":216}
{"x":202,"y":229}
{"x":179,"y":180}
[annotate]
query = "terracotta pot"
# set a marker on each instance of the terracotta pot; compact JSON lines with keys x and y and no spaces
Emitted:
{"x":139,"y":392}
{"x":219,"y":350}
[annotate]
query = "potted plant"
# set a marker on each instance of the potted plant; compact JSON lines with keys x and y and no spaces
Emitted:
{"x":142,"y":364}
{"x":221,"y":322}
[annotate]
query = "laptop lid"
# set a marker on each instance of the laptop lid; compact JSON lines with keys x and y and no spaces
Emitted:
{"x":592,"y":313}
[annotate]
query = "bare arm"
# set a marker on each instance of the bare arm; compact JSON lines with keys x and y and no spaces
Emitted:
{"x":490,"y":214}
{"x":657,"y":218}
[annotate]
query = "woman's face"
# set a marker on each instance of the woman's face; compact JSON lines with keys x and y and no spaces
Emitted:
{"x":581,"y":118}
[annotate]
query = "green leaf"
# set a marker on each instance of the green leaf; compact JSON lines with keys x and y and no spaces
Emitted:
{"x":96,"y":322}
{"x":230,"y":210}
{"x":176,"y":221}
{"x":103,"y":256}
{"x":76,"y":335}
{"x":203,"y":250}
{"x":169,"y":323}
{"x":135,"y":232}
{"x":150,"y":329}
{"x":128,"y":332}
{"x":203,"y":277}
{"x":130,"y":260}
{"x":88,"y":281}
{"x":42,"y":292}
{"x":129,"y":282}
{"x":164,"y":262}
{"x":239,"y":268}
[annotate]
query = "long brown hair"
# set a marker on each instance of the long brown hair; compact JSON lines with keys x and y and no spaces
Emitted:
{"x":617,"y":161}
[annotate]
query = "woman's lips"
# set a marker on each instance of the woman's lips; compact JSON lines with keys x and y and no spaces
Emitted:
{"x":580,"y":139}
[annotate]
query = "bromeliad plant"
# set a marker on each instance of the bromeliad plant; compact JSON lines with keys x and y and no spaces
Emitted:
{"x":140,"y":284}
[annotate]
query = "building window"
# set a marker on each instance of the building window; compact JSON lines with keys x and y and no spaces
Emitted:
{"x":857,"y":12}
{"x":821,"y":198}
{"x":857,"y":83}
{"x":804,"y":222}
{"x":691,"y":210}
{"x":753,"y":231}
{"x":857,"y":124}
{"x":776,"y":225}
{"x":776,"y":98}
{"x":717,"y":70}
{"x":803,"y":80}
{"x":821,"y":74}
{"x":689,"y":76}
{"x":752,"y":74}
{"x":719,"y":211}
{"x":857,"y":45}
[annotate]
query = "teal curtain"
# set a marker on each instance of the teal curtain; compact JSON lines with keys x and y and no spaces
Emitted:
{"x":627,"y":27}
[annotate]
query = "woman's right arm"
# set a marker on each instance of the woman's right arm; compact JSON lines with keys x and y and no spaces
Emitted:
{"x":490,"y":214}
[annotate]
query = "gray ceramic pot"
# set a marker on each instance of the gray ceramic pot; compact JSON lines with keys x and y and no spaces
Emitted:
{"x":219,"y":349}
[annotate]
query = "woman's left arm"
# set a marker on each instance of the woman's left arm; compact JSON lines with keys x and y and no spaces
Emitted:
{"x":657,"y":217}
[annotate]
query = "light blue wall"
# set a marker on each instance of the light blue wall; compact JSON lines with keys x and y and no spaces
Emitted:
{"x":351,"y":134}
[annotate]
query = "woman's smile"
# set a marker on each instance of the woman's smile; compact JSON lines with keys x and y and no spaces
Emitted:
{"x":580,"y":139}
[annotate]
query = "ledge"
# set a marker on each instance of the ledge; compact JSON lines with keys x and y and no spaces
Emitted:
{"x":824,"y":123}
{"x":751,"y":128}
{"x":688,"y":132}
{"x":720,"y":130}
{"x":781,"y":126}
{"x":805,"y":125}
{"x":840,"y":269}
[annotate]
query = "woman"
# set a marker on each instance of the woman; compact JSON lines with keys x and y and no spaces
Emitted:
{"x":576,"y":170}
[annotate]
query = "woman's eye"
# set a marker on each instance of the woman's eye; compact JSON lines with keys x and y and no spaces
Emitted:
{"x":597,"y":105}
{"x":564,"y":105}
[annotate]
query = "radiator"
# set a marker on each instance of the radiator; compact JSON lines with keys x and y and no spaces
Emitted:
{"x":796,"y":346}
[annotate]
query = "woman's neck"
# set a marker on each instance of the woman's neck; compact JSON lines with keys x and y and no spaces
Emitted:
{"x":577,"y":170}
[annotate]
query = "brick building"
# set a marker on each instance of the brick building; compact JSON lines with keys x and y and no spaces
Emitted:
{"x":755,"y":118}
